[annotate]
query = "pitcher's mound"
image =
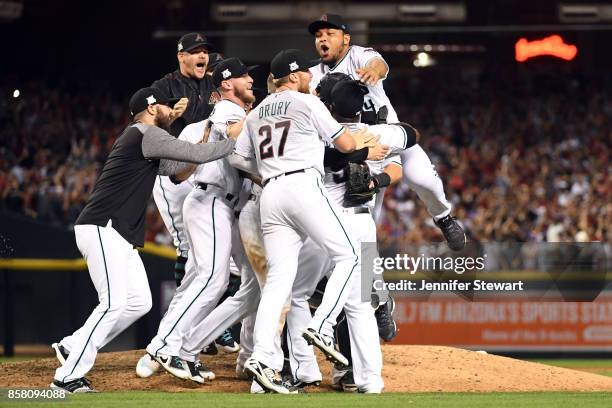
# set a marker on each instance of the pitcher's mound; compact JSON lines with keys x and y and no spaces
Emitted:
{"x":406,"y":369}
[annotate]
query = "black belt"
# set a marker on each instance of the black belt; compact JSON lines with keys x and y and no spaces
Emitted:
{"x":284,"y":174}
{"x":359,"y":210}
{"x":204,"y":186}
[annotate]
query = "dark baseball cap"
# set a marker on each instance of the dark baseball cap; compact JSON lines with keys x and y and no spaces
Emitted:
{"x":191,"y":41}
{"x":213,"y":59}
{"x":229,"y":68}
{"x":149,"y":96}
{"x":347,"y":98}
{"x":289,"y":61}
{"x":328,"y":21}
{"x":326,"y":84}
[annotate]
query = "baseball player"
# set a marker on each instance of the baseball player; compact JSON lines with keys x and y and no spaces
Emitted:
{"x":345,"y":100}
{"x":111,"y":226}
{"x":210,"y":210}
{"x":284,"y":134}
{"x":333,"y":43}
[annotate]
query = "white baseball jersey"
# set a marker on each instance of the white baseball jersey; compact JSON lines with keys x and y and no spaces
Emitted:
{"x":219,"y":172}
{"x":393,"y":136}
{"x":286,"y":132}
{"x":357,"y":58}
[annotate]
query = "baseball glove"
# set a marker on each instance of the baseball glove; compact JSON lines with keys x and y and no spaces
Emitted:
{"x":357,"y":185}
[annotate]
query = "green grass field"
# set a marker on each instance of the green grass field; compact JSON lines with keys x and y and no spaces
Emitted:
{"x":429,"y":400}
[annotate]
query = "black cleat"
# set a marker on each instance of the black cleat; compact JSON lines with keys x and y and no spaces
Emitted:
{"x":453,"y":233}
{"x":210,"y":350}
{"x":269,"y":379}
{"x":387,"y":329}
{"x":78,"y":386}
{"x":227,"y":343}
{"x":347,"y":382}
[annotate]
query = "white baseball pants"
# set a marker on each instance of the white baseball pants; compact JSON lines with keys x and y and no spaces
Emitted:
{"x":120,"y":279}
{"x":363,"y":330}
{"x":292,"y":208}
{"x":169,"y":198}
{"x":209,"y":229}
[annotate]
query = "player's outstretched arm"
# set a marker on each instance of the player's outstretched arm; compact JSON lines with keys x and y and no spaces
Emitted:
{"x":177,"y":155}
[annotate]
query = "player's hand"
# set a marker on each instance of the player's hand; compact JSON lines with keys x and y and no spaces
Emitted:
{"x":378,"y":152}
{"x":179,"y":108}
{"x":363,"y":138}
{"x":368,"y":76}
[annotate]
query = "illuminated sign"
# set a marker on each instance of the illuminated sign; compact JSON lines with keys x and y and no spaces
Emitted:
{"x":552,"y":45}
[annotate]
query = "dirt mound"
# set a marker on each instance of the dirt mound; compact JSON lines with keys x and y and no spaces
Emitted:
{"x":406,"y":369}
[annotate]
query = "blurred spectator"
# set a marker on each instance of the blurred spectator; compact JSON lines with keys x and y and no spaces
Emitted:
{"x":524,"y":157}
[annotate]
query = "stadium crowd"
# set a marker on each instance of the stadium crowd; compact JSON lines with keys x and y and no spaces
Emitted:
{"x":522,"y":159}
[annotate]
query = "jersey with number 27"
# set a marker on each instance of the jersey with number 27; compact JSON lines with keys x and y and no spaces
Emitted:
{"x":286,"y":132}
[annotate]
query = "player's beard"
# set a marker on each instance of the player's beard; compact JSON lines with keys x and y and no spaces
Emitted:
{"x":245,"y":95}
{"x":304,"y":86}
{"x":162,"y":120}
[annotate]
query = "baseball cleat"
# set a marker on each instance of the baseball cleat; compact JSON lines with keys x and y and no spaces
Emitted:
{"x":387,"y":329}
{"x":60,"y":352}
{"x":452,"y":231}
{"x":227,"y":343}
{"x":78,"y":386}
{"x":174,"y":365}
{"x":147,"y":366}
{"x":326,"y":345}
{"x":347,"y":382}
{"x":268,"y":378}
{"x":205,"y":372}
{"x":194,"y":372}
{"x":210,"y":350}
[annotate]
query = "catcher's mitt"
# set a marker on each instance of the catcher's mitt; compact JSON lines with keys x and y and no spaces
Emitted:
{"x":357,"y":185}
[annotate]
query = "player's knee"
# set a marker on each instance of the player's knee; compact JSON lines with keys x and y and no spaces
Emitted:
{"x":413,"y":136}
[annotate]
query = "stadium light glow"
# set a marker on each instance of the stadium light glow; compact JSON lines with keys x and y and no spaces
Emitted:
{"x":552,"y":45}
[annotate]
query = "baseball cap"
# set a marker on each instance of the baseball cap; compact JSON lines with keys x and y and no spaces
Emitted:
{"x":213,"y":59}
{"x":326,"y":84}
{"x":328,"y":21}
{"x":191,"y":41}
{"x":149,"y":96}
{"x":229,"y":68}
{"x":347,"y":98}
{"x":289,"y":61}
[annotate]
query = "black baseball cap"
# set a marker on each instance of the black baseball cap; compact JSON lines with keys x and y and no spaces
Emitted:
{"x":149,"y":96}
{"x":213,"y":59}
{"x":347,"y":98}
{"x":289,"y":61}
{"x":229,"y":68}
{"x":328,"y":21}
{"x":326,"y":84}
{"x":191,"y":41}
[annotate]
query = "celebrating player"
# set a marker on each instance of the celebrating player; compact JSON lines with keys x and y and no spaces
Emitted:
{"x":111,"y":226}
{"x":333,"y":43}
{"x":284,"y":134}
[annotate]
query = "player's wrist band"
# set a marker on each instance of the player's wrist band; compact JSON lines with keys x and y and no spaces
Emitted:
{"x":382,"y":180}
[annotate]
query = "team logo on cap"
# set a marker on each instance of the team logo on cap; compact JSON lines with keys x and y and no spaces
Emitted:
{"x":180,"y":46}
{"x":199,"y":38}
{"x":226,"y":74}
{"x":293,"y":66}
{"x":151,"y":100}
